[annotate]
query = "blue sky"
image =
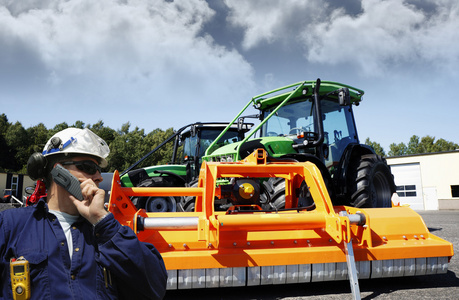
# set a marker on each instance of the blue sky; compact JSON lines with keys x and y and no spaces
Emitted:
{"x":162,"y":64}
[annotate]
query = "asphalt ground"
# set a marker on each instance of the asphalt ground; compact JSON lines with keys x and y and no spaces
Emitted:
{"x":444,"y":224}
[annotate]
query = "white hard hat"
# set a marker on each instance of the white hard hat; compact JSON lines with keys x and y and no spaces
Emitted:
{"x":77,"y":141}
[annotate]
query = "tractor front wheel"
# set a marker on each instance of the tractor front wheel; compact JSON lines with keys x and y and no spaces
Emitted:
{"x":273,"y":197}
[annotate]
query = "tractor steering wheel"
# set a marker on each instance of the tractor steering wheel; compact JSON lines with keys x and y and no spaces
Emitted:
{"x":295,"y":128}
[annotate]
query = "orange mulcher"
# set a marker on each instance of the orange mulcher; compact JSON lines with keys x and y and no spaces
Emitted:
{"x":246,"y":245}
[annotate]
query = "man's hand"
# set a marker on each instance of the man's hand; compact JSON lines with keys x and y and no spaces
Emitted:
{"x":92,"y":206}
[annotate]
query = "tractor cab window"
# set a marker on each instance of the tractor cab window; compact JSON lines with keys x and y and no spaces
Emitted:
{"x":339,"y":129}
{"x":189,"y":148}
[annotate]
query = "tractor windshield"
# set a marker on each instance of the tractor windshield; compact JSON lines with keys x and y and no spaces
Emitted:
{"x":289,"y":120}
{"x":195,"y":146}
{"x":208,"y":136}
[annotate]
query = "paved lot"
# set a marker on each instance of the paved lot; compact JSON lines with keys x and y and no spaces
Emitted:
{"x":444,"y":224}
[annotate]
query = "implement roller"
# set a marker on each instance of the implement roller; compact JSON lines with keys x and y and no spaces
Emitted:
{"x":310,"y":240}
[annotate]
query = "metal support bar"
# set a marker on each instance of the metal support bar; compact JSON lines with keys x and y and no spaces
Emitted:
{"x":351,"y":268}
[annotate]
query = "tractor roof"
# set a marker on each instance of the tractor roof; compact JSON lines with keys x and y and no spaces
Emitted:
{"x":217,"y":125}
{"x":276,"y":96}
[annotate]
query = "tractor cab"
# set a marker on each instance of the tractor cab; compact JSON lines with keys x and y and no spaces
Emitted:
{"x":193,"y":143}
{"x":297,"y":121}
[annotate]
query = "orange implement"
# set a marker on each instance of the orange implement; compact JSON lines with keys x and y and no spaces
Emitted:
{"x":248,"y":246}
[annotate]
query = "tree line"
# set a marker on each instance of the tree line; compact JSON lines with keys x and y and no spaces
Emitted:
{"x":416,"y":145}
{"x":128,"y":146}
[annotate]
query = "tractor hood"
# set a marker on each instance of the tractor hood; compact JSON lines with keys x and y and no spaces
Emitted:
{"x":133,"y":178}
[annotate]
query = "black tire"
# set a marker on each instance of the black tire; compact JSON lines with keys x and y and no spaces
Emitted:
{"x":371,"y":182}
{"x":273,"y":195}
{"x":273,"y":192}
{"x":157,"y":204}
{"x":187,"y":202}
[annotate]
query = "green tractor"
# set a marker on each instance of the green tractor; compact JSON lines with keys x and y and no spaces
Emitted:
{"x":190,"y":144}
{"x":312,"y":121}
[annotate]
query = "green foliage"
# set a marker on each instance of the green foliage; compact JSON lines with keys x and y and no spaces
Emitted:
{"x":376,"y":147}
{"x":5,"y":159}
{"x":397,"y":149}
{"x":126,"y":146}
{"x":426,"y":144}
{"x":17,"y":142}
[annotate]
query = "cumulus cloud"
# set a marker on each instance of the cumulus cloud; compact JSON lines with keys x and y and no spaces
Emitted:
{"x":386,"y":34}
{"x":269,"y":21}
{"x":113,"y":48}
{"x":375,"y":36}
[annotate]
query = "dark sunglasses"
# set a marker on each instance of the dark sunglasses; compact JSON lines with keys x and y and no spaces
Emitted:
{"x":87,"y":166}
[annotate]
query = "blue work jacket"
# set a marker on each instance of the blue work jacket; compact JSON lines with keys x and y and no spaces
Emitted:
{"x":108,"y":261}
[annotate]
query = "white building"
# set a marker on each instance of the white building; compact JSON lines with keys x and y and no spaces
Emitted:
{"x":427,"y":181}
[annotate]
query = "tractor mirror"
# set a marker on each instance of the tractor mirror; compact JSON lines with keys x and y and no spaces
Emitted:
{"x":240,"y":124}
{"x":344,"y":97}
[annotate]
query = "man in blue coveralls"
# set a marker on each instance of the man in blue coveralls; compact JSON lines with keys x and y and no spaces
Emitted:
{"x":76,"y":249}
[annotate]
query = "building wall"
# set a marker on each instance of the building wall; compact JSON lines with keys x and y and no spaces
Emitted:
{"x":22,"y":182}
{"x":2,"y":183}
{"x":439,"y":172}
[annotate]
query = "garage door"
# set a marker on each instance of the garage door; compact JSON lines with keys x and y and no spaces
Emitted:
{"x":409,"y":185}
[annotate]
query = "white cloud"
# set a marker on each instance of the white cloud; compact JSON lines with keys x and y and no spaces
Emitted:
{"x":385,"y":35}
{"x":272,"y":20}
{"x":112,"y":49}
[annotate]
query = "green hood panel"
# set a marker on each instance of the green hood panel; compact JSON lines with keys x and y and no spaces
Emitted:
{"x":177,"y":169}
{"x":275,"y":146}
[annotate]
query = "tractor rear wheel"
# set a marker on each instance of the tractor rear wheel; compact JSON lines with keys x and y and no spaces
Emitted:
{"x":371,"y":182}
{"x":187,"y":202}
